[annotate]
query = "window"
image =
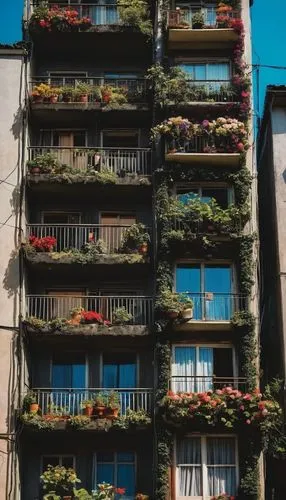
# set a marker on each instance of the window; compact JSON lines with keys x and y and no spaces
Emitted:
{"x":210,"y":287}
{"x":120,"y":138}
{"x":109,"y":233}
{"x":117,"y":468}
{"x":60,"y":302}
{"x":69,"y":371}
{"x":190,"y":8}
{"x":61,"y":78}
{"x":206,"y":466}
{"x":61,"y":217}
{"x":195,"y":367}
{"x":62,"y":460}
{"x":119,"y":371}
{"x":222,"y":195}
{"x":212,"y":75}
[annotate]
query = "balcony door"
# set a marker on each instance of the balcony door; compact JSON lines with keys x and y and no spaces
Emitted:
{"x":201,"y":368}
{"x":210,"y":74}
{"x":60,"y":302}
{"x":190,"y":8}
{"x":119,"y":372}
{"x":113,"y":231}
{"x":121,"y":151}
{"x":68,"y":382}
{"x":69,"y":141}
{"x":210,"y":287}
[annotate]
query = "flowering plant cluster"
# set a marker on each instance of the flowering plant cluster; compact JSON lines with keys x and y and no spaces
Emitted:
{"x":59,"y":479}
{"x":57,"y":19}
{"x":45,"y":244}
{"x":181,"y":129}
{"x":227,"y":407}
{"x":106,"y":491}
{"x":94,"y":317}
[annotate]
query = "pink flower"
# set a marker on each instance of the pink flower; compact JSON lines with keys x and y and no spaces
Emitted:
{"x":248,"y":421}
{"x":247,"y":397}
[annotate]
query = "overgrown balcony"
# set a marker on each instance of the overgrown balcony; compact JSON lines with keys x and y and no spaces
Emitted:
{"x":89,"y":165}
{"x":89,"y":314}
{"x":188,"y":29}
{"x":88,"y":408}
{"x":87,"y":244}
{"x":219,"y":142}
{"x":75,"y":16}
{"x":89,"y":94}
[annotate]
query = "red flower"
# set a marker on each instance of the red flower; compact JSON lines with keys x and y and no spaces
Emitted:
{"x":92,"y":317}
{"x":120,"y":491}
{"x":44,"y":244}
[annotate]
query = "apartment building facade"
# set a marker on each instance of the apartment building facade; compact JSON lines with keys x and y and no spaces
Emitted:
{"x":139,"y":307}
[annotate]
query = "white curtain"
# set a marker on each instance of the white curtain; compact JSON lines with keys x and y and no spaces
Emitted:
{"x":221,"y":466}
{"x":205,"y":369}
{"x":189,"y":467}
{"x":184,"y":369}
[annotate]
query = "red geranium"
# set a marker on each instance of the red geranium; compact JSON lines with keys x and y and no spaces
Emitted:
{"x":92,"y":317}
{"x":120,"y":491}
{"x":44,"y":244}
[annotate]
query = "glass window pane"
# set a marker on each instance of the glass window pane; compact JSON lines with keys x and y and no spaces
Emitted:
{"x":184,"y":369}
{"x":78,"y":376}
{"x":110,"y":375}
{"x":218,"y":279}
{"x":189,"y":451}
{"x":221,"y":479}
{"x":127,"y":375}
{"x":126,"y":478}
{"x":188,"y":278}
{"x":105,"y":473}
{"x":61,"y":376}
{"x":125,"y":456}
{"x":105,"y":456}
{"x":220,"y":451}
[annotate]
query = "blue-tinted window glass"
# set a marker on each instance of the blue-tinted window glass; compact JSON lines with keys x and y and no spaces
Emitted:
{"x":218,"y":279}
{"x":126,"y":478}
{"x":105,"y":473}
{"x":125,"y":456}
{"x":188,"y":278}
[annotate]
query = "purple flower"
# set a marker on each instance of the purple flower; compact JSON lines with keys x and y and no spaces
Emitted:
{"x":205,"y":123}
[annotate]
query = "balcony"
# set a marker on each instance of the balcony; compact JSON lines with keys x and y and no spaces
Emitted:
{"x":87,"y":94}
{"x":203,"y":150}
{"x":89,"y":164}
{"x":205,"y":383}
{"x":212,"y":311}
{"x":49,"y":314}
{"x":86,"y":244}
{"x":207,"y":92}
{"x":58,"y":407}
{"x":212,"y":30}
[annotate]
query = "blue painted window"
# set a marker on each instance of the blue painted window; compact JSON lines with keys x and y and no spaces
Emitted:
{"x":117,"y":468}
{"x":210,"y":287}
{"x":69,"y":371}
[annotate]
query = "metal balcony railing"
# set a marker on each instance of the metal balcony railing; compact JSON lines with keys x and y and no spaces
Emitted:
{"x":212,"y":306}
{"x":202,"y":144}
{"x":77,"y":235}
{"x":184,"y":17}
{"x":178,"y":383}
{"x":212,"y":91}
{"x":134,"y":161}
{"x":100,"y":15}
{"x":69,"y":401}
{"x":207,"y":227}
{"x":135,"y":89}
{"x":48,"y":307}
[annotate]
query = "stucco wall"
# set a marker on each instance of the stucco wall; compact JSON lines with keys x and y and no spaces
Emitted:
{"x":11,"y":67}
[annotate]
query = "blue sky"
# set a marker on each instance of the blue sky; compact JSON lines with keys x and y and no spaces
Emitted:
{"x":268,"y":32}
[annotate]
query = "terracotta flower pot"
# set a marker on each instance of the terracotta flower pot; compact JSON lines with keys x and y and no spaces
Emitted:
{"x":67,"y":497}
{"x":100,"y":411}
{"x":172,"y":314}
{"x":53,"y":99}
{"x":143,"y":249}
{"x":83,"y":98}
{"x":88,"y":411}
{"x":112,"y":413}
{"x":75,"y":319}
{"x":38,"y":98}
{"x":34,"y":407}
{"x":35,"y":170}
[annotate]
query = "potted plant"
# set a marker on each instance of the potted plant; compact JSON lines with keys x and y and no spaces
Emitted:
{"x":113,"y":405}
{"x":187,"y":306}
{"x":168,"y":303}
{"x":81,"y":91}
{"x":54,"y":94}
{"x":100,"y":404}
{"x":45,"y":244}
{"x":60,"y":480}
{"x":76,"y":315}
{"x":135,"y":239}
{"x":31,"y":402}
{"x":141,"y":496}
{"x":87,"y":406}
{"x":106,"y":93}
{"x":198,"y":20}
{"x":40,"y":92}
{"x":121,"y":316}
{"x":67,"y":93}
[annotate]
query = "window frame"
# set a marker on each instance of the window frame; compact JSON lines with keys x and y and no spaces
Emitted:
{"x":203,"y":264}
{"x":205,"y":185}
{"x":115,"y":463}
{"x":198,"y":346}
{"x":87,"y":372}
{"x":203,"y":465}
{"x":52,"y":131}
{"x":101,"y":364}
{"x":210,"y":60}
{"x":60,"y":456}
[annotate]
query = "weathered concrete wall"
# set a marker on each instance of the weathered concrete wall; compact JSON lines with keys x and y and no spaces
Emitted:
{"x":11,"y":136}
{"x":278,"y":119}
